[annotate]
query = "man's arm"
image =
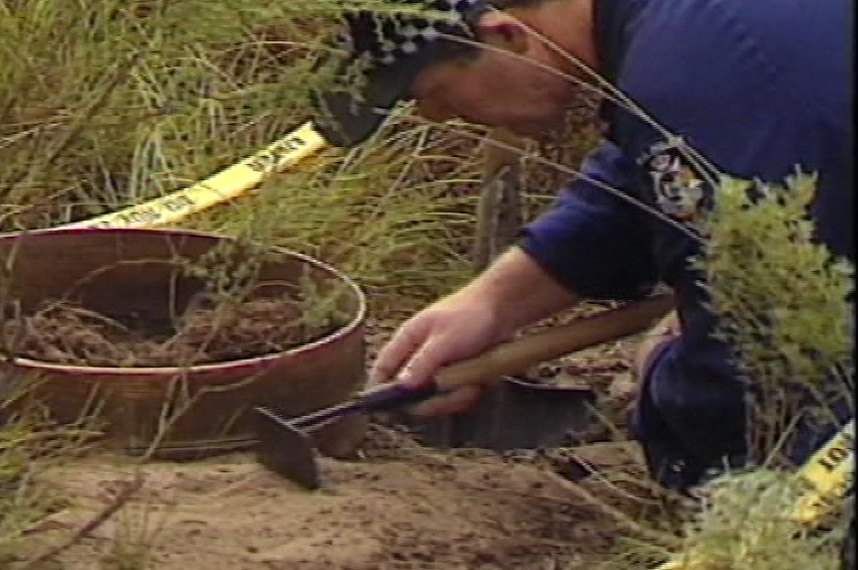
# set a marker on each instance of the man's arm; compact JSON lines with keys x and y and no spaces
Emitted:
{"x":521,"y":289}
{"x":592,"y":241}
{"x":592,"y":244}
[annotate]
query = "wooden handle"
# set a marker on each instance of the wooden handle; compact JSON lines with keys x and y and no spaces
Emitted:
{"x":516,"y":356}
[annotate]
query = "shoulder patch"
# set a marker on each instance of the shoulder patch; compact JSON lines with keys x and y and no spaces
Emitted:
{"x":679,"y":191}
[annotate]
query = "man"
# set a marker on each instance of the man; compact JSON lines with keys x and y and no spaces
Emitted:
{"x":757,"y":88}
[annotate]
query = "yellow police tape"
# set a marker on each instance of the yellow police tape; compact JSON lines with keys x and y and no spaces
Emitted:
{"x":225,"y":185}
{"x":828,"y":472}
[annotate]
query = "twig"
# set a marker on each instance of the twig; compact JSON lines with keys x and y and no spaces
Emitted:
{"x":121,"y":498}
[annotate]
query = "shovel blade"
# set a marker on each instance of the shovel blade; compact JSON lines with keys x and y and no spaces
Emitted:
{"x":513,"y":414}
{"x":286,"y":450}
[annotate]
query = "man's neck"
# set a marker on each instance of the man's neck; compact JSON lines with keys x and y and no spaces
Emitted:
{"x":567,"y":27}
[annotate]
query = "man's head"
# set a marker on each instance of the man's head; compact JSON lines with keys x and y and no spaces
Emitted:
{"x":486,"y":61}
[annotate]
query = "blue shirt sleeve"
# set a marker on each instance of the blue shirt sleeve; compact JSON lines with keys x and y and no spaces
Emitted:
{"x":592,"y":241}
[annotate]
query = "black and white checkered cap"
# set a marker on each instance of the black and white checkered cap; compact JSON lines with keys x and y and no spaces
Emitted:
{"x":400,"y":36}
{"x":395,"y":46}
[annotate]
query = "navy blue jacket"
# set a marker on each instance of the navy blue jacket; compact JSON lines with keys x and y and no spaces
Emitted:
{"x":758,"y":87}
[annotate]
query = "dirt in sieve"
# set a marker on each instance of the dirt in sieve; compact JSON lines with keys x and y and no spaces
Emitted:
{"x":400,"y":507}
{"x":207,"y":332}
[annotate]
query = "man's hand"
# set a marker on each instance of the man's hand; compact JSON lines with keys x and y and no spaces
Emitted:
{"x":455,"y":328}
{"x":510,"y":294}
{"x":667,"y":329}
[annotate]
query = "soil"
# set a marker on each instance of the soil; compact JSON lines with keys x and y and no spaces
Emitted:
{"x":396,"y":506}
{"x":400,"y":507}
{"x":207,"y":332}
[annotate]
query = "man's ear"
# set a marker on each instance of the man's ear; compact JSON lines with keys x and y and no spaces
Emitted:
{"x":501,"y":30}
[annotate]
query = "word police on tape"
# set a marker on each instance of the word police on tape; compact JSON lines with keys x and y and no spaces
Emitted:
{"x":225,"y":185}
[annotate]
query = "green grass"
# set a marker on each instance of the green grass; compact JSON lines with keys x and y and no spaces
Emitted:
{"x":107,"y":103}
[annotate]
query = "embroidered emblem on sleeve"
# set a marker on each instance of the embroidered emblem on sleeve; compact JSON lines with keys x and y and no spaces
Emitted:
{"x":679,"y":191}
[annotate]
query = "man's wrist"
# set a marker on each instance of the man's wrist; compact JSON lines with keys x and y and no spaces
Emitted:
{"x":519,"y":290}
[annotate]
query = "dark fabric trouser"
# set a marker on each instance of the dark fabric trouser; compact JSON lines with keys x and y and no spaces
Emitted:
{"x":677,"y":455}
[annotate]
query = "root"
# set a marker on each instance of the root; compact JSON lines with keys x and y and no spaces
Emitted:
{"x":66,"y":333}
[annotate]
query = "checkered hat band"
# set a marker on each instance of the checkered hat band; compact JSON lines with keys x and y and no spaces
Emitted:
{"x":389,"y":39}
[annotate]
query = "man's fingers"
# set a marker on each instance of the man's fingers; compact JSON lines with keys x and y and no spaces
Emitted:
{"x":666,"y":330}
{"x":423,"y":364}
{"x":391,"y":357}
{"x":458,"y":400}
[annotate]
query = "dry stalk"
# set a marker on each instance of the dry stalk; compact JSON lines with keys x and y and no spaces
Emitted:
{"x":652,"y":536}
{"x":121,"y":498}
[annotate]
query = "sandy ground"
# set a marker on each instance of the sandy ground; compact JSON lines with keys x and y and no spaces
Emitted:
{"x":400,"y":507}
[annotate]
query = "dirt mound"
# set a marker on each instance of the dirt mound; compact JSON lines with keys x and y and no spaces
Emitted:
{"x":401,"y":507}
